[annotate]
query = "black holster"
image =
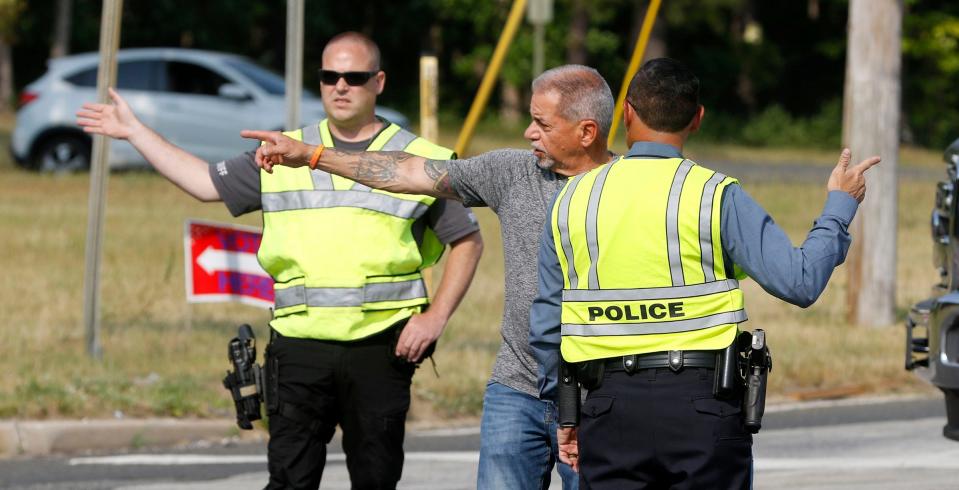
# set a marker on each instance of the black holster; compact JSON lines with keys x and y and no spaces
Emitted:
{"x":245,"y":382}
{"x":728,"y":380}
{"x":758,"y":364}
{"x":568,"y":395}
{"x":271,"y":371}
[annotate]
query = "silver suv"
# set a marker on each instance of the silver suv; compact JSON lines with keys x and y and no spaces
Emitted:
{"x":199,"y":100}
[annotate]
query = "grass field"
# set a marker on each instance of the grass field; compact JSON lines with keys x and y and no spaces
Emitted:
{"x":163,"y":357}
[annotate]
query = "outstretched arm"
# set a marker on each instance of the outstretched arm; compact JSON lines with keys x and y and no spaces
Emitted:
{"x":423,"y":329}
{"x":118,"y":121}
{"x":762,"y":249}
{"x":393,"y":171}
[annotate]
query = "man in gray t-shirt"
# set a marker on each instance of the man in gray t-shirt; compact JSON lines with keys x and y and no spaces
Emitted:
{"x":571,"y":111}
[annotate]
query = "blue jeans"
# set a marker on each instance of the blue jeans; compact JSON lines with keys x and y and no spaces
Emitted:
{"x":518,"y":442}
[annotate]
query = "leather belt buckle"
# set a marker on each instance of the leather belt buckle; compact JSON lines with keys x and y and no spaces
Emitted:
{"x":675,"y":360}
{"x":630,"y":364}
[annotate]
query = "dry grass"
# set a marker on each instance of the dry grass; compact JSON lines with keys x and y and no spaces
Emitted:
{"x":164,"y":357}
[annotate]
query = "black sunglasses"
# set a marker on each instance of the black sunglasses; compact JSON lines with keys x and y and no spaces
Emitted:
{"x":353,"y":78}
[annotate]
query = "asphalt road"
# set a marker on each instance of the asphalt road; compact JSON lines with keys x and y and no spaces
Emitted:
{"x":854,"y":444}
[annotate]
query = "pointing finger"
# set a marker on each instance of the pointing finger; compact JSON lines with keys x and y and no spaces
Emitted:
{"x":267,"y":136}
{"x":867,"y":164}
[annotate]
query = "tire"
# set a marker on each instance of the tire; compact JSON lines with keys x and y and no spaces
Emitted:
{"x":62,"y":153}
{"x":951,"y":429}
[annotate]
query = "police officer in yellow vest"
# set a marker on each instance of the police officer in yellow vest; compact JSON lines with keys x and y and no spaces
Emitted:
{"x":639,"y":273}
{"x":350,"y":312}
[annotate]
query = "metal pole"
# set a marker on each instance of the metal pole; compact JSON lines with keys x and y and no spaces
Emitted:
{"x":294,"y":62}
{"x":99,"y":171}
{"x":638,"y":52}
{"x":489,"y":79}
{"x":538,"y":34}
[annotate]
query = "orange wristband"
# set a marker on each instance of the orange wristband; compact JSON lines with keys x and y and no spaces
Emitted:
{"x":316,"y":156}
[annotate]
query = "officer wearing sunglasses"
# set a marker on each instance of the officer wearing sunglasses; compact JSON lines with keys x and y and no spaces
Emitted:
{"x":350,"y":318}
{"x":352,"y":78}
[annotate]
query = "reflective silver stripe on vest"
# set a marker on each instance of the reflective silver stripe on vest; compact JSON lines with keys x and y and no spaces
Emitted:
{"x":360,"y":187}
{"x":283,"y":298}
{"x":374,"y":201}
{"x":350,"y":297}
{"x":399,"y":141}
{"x":674,"y":326}
{"x":672,"y":223}
{"x":311,"y":135}
{"x":394,"y":291}
{"x":644,"y":294}
{"x":322,"y":181}
{"x":705,"y":226}
{"x":592,"y":233}
{"x":562,"y":222}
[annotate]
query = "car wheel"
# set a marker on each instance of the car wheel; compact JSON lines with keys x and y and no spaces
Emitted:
{"x":951,"y":430}
{"x":63,"y":153}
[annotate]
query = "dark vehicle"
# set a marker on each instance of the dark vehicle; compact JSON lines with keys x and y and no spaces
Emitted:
{"x":932,"y":328}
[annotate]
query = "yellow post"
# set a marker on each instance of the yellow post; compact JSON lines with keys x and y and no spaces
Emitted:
{"x":638,"y":52}
{"x":489,"y":79}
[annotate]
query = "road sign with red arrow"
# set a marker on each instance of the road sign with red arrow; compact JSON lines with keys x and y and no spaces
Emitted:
{"x":221,"y":264}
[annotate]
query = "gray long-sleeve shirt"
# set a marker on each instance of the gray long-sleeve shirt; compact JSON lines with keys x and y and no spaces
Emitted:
{"x":750,"y":239}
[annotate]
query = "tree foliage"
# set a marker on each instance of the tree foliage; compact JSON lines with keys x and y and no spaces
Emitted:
{"x":767,"y":68}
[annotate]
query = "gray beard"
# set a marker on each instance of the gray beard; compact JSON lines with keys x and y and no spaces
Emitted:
{"x":546,"y":163}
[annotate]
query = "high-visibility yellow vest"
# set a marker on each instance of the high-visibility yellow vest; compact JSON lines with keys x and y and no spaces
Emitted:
{"x":346,"y":259}
{"x":638,"y":240}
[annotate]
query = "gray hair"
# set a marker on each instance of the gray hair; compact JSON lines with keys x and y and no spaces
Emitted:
{"x":583,"y":94}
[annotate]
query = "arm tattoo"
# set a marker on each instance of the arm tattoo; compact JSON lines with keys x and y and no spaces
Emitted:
{"x":375,"y":168}
{"x":437,"y":172}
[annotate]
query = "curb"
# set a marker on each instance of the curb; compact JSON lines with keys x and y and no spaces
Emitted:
{"x":37,"y":438}
{"x":40,"y":437}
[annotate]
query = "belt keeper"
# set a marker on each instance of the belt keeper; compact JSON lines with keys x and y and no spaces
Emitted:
{"x":630,"y":363}
{"x":675,"y":360}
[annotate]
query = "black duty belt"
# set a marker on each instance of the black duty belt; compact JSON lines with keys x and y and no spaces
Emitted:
{"x":674,"y":359}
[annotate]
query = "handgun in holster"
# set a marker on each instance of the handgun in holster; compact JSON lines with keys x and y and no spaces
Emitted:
{"x":245,"y":382}
{"x":568,"y":394}
{"x":741,"y":371}
{"x":758,"y":363}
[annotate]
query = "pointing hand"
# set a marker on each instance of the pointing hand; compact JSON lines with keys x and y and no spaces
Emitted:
{"x":850,"y":179}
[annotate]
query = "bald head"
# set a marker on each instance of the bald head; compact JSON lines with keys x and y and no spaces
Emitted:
{"x":583,"y":93}
{"x":355,"y":39}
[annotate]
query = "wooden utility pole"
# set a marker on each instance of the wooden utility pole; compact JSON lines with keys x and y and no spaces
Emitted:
{"x":99,"y":171}
{"x":871,"y":111}
{"x":294,"y":62}
{"x":61,"y":29}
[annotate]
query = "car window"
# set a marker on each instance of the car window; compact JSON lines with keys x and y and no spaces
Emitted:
{"x":270,"y":82}
{"x":188,"y":78}
{"x":131,"y":75}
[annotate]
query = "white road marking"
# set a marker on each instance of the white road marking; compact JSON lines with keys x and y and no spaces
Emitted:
{"x":207,"y":459}
{"x":926,"y":462}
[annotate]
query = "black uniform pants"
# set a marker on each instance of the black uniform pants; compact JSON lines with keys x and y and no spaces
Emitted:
{"x":659,"y":429}
{"x":359,"y":385}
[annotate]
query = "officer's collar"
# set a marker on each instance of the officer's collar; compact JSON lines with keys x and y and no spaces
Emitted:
{"x":649,"y":149}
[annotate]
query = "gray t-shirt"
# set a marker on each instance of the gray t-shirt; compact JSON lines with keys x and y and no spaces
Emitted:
{"x":521,"y":194}
{"x":238,"y":182}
